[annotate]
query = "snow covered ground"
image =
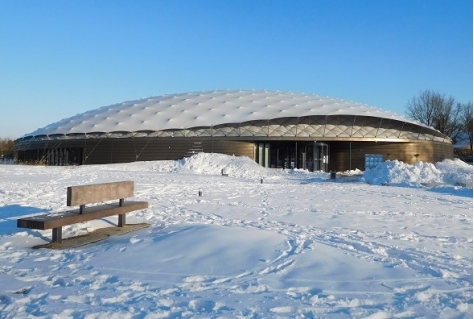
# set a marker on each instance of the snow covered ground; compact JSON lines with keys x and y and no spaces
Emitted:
{"x":393,"y":242}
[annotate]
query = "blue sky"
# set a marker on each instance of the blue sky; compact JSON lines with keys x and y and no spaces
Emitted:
{"x":60,"y":58}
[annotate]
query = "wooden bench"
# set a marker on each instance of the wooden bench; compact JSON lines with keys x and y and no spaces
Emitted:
{"x":81,"y":196}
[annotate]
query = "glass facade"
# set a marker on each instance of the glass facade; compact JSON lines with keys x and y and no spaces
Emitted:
{"x":372,"y":160}
{"x":312,"y":156}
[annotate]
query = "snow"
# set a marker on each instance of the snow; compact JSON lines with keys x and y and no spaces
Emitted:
{"x":447,"y":172}
{"x":392,"y":242}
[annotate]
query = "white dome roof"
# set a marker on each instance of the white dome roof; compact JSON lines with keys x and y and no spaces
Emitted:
{"x":205,"y":109}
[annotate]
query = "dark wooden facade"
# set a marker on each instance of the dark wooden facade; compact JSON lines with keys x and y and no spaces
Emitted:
{"x":125,"y":150}
{"x":351,"y":155}
{"x":343,"y":155}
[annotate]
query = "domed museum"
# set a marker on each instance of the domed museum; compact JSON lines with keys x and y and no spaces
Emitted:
{"x":276,"y":129}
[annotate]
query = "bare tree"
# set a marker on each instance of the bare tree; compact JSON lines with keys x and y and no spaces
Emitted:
{"x":7,"y":148}
{"x":436,"y":110}
{"x":466,"y":120}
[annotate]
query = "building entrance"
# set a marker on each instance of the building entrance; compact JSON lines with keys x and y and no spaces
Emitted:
{"x":321,"y":157}
{"x":312,"y":156}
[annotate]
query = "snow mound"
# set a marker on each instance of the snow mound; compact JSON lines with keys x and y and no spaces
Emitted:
{"x":455,"y":172}
{"x":447,"y":172}
{"x":203,"y":164}
{"x":183,"y":245}
{"x":216,"y":164}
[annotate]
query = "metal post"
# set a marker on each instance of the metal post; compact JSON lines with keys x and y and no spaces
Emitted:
{"x":122,"y":220}
{"x":296,"y":154}
{"x":350,"y":156}
{"x":278,"y":158}
{"x":267,"y":155}
{"x":57,"y":235}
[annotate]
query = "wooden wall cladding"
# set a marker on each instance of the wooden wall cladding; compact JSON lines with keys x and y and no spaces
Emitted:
{"x":351,"y":155}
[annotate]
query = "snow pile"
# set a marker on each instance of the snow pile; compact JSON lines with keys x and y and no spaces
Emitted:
{"x":455,"y":172}
{"x":215,"y":164}
{"x":207,"y":164}
{"x":447,"y":172}
{"x":202,"y":164}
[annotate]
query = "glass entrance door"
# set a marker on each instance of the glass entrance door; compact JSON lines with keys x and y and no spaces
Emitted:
{"x":320,"y":157}
{"x":312,"y":156}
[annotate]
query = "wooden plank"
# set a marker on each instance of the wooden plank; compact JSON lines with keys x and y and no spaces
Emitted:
{"x":96,"y":193}
{"x":55,"y":220}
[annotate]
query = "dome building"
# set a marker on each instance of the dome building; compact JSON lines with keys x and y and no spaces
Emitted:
{"x":276,"y":129}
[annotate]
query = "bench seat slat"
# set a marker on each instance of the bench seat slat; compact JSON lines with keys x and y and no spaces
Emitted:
{"x":49,"y":221}
{"x":96,"y":193}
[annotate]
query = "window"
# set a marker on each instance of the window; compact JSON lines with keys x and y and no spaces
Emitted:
{"x":372,"y":160}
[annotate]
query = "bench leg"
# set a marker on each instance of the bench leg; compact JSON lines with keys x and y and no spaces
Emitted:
{"x":121,"y":220}
{"x":57,"y":235}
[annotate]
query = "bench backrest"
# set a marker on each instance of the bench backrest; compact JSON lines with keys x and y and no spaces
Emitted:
{"x":95,"y":193}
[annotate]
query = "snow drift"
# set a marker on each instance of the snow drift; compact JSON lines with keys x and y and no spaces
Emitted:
{"x":447,"y":172}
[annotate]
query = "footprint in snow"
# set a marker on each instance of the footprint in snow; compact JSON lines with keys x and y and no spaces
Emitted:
{"x":23,"y":291}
